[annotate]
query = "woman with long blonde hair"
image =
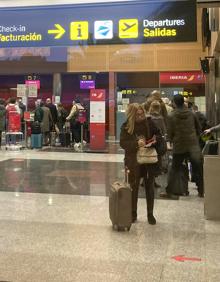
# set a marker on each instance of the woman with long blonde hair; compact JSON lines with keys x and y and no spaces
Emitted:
{"x":135,"y":133}
{"x":158,"y":119}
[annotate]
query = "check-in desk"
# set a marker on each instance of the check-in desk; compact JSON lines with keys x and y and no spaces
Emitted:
{"x":212,"y":186}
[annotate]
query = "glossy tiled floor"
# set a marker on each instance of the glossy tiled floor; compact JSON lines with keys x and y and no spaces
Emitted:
{"x":62,"y":232}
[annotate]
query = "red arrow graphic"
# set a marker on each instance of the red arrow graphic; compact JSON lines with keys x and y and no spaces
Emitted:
{"x":183,"y":258}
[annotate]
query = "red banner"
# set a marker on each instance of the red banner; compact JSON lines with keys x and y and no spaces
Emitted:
{"x":27,"y":115}
{"x":97,"y":119}
{"x":97,"y":136}
{"x":193,"y":77}
{"x":33,"y":82}
{"x":97,"y":95}
{"x":14,"y":122}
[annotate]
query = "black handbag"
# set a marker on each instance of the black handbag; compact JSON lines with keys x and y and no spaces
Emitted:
{"x":35,"y":128}
{"x":161,"y":146}
{"x":210,"y":148}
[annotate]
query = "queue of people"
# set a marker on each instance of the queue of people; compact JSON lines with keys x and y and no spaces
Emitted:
{"x":56,"y":120}
{"x":51,"y":119}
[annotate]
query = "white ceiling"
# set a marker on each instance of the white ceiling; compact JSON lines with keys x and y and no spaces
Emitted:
{"x":16,"y":3}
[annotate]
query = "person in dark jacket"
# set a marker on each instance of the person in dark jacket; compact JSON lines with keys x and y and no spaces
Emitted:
{"x":53,"y":111}
{"x":134,"y":133}
{"x":203,"y":123}
{"x":62,"y":115}
{"x":201,"y":117}
{"x":184,"y":131}
{"x":158,"y":119}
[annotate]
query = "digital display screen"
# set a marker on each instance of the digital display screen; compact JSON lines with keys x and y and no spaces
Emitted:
{"x":87,"y":84}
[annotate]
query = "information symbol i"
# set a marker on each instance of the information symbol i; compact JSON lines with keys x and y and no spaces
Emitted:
{"x":79,"y":30}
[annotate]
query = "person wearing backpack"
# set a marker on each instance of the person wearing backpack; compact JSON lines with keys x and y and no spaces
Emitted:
{"x":74,"y":124}
{"x":39,"y":113}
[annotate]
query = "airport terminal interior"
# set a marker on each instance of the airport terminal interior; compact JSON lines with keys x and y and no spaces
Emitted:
{"x":54,"y":193}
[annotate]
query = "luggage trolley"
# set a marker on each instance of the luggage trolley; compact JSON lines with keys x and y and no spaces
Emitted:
{"x":13,"y":136}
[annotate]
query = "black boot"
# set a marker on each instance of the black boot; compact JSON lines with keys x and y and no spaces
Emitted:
{"x":134,"y":217}
{"x":151,"y":219}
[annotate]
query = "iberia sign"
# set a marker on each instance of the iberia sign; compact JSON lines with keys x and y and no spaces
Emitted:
{"x":192,"y":77}
{"x":100,"y":23}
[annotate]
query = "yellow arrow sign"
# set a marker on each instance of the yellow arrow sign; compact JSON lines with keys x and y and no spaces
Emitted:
{"x":59,"y":31}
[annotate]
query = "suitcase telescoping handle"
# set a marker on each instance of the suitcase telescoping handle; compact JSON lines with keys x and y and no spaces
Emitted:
{"x":127,"y":171}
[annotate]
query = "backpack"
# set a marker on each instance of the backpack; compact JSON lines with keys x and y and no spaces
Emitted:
{"x":35,"y":128}
{"x":76,"y":115}
{"x":39,"y":114}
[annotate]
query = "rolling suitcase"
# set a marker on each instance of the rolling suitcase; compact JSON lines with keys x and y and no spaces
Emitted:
{"x":64,"y":139}
{"x":178,"y":179}
{"x":35,"y":127}
{"x":120,"y":205}
{"x":36,"y":141}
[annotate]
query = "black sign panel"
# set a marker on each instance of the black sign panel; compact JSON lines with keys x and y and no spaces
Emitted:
{"x":155,"y":21}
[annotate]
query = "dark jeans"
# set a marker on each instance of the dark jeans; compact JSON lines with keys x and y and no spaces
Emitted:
{"x":197,"y":165}
{"x":134,"y":180}
{"x":76,"y":131}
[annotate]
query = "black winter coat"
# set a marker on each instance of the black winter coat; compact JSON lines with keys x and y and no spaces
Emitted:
{"x":183,"y":130}
{"x":129,"y":142}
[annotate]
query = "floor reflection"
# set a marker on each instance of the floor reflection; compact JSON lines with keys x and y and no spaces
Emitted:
{"x":59,"y":177}
{"x":64,"y":177}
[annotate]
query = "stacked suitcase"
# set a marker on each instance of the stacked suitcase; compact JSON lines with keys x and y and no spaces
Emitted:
{"x":36,"y":141}
{"x":65,"y":136}
{"x":13,"y":136}
{"x":36,"y":136}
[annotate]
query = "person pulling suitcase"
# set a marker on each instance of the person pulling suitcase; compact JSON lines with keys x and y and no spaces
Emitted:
{"x":135,"y":133}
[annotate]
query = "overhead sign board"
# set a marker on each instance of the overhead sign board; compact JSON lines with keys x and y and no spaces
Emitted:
{"x":21,"y":90}
{"x":32,"y":90}
{"x":33,"y":82}
{"x":195,"y":77}
{"x":100,"y":23}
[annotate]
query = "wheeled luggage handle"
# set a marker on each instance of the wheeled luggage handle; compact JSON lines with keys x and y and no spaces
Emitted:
{"x":127,"y":171}
{"x":119,"y":183}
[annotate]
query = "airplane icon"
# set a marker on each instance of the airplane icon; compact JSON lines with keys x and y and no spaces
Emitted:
{"x":128,"y":26}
